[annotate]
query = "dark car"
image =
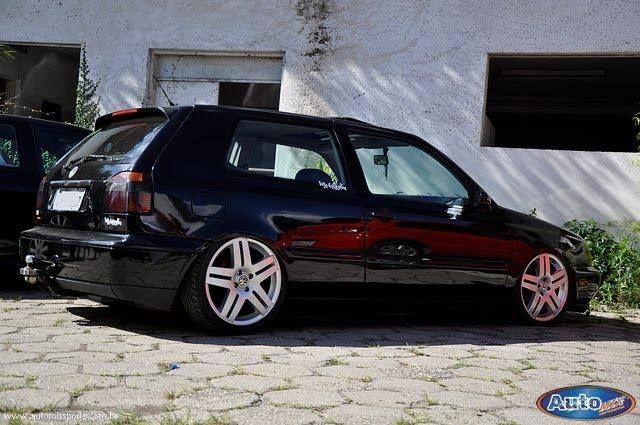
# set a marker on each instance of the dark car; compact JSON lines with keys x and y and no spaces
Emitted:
{"x":28,"y":149}
{"x":224,"y":211}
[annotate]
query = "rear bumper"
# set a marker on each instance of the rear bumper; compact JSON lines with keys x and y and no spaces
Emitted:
{"x":587,"y":282}
{"x":141,"y":268}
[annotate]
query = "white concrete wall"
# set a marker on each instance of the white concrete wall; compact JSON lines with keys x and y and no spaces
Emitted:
{"x":415,"y":65}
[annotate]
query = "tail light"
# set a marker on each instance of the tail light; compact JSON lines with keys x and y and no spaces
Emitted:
{"x":41,"y":199}
{"x":128,"y":192}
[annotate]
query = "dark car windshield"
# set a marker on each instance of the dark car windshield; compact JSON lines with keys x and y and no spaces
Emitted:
{"x":120,"y":141}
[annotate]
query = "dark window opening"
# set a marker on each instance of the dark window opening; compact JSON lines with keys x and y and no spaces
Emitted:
{"x":250,"y":95}
{"x":40,"y":81}
{"x":582,"y":103}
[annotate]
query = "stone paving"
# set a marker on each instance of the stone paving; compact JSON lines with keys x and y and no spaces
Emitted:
{"x":78,"y":356}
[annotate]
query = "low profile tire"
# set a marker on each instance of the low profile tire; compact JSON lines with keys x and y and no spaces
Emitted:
{"x":542,"y":293}
{"x":238,"y":286}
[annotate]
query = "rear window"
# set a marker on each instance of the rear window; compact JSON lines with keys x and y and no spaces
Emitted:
{"x":121,"y":141}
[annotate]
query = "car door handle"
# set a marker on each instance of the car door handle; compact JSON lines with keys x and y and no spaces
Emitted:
{"x":382,"y":214}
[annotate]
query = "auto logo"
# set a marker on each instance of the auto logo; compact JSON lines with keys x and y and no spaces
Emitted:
{"x":586,"y":402}
{"x":59,"y":220}
{"x":73,"y":172}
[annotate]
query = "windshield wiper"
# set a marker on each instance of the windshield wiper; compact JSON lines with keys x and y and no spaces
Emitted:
{"x":87,"y":158}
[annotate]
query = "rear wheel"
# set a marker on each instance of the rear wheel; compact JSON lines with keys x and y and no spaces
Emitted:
{"x":238,"y":286}
{"x":543,"y":289}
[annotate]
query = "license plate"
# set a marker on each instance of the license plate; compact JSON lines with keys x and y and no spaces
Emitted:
{"x":67,"y":199}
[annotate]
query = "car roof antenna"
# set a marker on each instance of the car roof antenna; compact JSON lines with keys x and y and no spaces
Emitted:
{"x":163,"y":92}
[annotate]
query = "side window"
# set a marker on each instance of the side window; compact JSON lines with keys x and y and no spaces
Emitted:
{"x":54,"y":143}
{"x":394,"y":167}
{"x":304,"y":154}
{"x":9,"y":154}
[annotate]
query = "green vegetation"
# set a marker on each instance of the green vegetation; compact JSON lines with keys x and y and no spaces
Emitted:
{"x":334,"y":361}
{"x":615,"y":252}
{"x":87,"y":108}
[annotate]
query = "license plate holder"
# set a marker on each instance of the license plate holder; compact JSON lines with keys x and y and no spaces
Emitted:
{"x":67,"y":199}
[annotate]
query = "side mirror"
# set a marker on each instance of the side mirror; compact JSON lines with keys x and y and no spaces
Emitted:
{"x":483,"y":201}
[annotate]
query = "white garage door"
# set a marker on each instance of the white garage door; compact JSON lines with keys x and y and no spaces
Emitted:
{"x":235,"y":80}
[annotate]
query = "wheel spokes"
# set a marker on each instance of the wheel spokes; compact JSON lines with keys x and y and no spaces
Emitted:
{"x":246,"y":254}
{"x":538,"y":304}
{"x":253,"y":299}
{"x":242,"y":299}
{"x":216,"y":281}
{"x":262,"y":273}
{"x":545,"y":265}
{"x":553,"y":302}
{"x":544,"y":292}
{"x":530,"y":282}
{"x":558,"y":279}
{"x":262,"y":295}
{"x":231,"y":299}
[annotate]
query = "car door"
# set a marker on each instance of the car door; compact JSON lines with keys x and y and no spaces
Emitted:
{"x":421,"y":223}
{"x":19,"y":179}
{"x":287,"y":181}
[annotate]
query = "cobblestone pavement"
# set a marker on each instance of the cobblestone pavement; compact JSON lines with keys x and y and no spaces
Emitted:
{"x":81,"y":356}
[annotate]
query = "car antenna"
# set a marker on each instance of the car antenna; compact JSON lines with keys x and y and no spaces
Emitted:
{"x":163,"y":92}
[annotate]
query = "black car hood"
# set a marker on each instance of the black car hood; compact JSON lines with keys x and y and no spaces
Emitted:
{"x":537,"y":233}
{"x":526,"y":221}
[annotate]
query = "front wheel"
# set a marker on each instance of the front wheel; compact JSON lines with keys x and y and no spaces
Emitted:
{"x":237,"y":287}
{"x":543,"y":290}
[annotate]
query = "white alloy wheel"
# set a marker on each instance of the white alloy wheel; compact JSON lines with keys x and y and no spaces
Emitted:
{"x":243,"y":281}
{"x":544,"y":288}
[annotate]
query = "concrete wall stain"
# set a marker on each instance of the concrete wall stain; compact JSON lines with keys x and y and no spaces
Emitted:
{"x":314,"y":15}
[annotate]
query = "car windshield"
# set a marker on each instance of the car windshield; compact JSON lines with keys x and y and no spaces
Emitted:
{"x":120,"y":141}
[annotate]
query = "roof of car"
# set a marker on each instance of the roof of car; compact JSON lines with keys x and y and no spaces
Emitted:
{"x":27,"y":120}
{"x":270,"y":112}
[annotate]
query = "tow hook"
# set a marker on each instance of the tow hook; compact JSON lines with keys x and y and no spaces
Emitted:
{"x":37,"y":267}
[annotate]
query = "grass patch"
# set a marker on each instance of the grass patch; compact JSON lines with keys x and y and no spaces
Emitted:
{"x":288,"y":385}
{"x":77,"y":392}
{"x":431,"y":401}
{"x":187,"y":420}
{"x":237,"y":370}
{"x":128,"y":418}
{"x":171,"y":395}
{"x":334,"y":361}
{"x":527,"y":365}
{"x":58,"y":323}
{"x":30,"y":381}
{"x":164,"y":367}
{"x":416,"y":351}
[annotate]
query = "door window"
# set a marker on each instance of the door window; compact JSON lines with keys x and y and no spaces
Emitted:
{"x":54,"y":143}
{"x":303,"y":154}
{"x":394,"y":167}
{"x":9,"y":155}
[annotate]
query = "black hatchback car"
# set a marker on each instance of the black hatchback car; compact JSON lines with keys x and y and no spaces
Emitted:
{"x":225,"y":211}
{"x":28,"y":149}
